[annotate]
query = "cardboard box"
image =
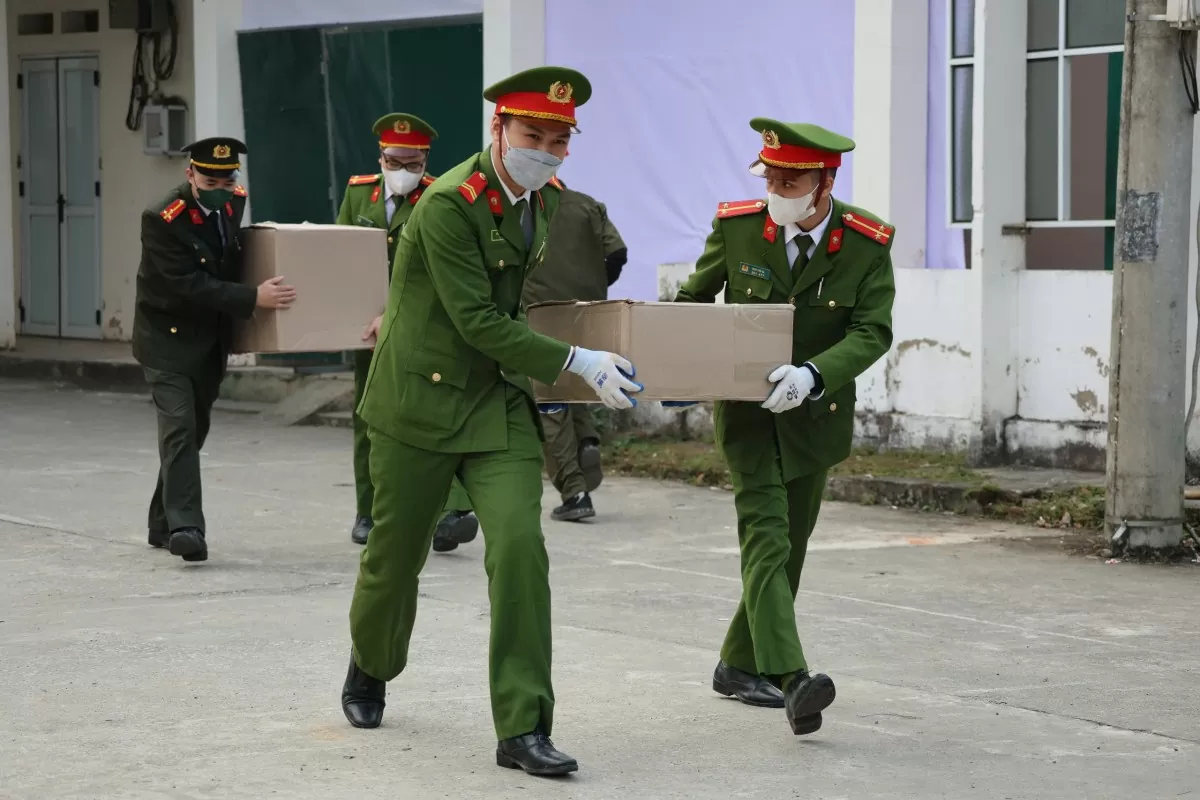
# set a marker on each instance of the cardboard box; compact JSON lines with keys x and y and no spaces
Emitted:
{"x":340,"y":275}
{"x":682,"y":351}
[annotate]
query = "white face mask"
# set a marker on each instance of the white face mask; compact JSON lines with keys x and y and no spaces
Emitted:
{"x":401,"y":181}
{"x":531,"y":169}
{"x":788,"y":210}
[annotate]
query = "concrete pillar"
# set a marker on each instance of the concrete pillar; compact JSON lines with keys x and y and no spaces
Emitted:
{"x":8,"y":270}
{"x":997,"y":258}
{"x":217,"y":93}
{"x":890,"y":121}
{"x":514,"y":39}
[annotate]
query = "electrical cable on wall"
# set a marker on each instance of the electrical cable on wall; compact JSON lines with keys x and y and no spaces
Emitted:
{"x":162,"y":48}
{"x":1187,"y":60}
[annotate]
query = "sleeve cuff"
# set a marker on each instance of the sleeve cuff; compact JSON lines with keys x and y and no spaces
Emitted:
{"x":818,"y":382}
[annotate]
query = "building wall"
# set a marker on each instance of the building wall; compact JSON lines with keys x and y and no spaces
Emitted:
{"x":130,"y":180}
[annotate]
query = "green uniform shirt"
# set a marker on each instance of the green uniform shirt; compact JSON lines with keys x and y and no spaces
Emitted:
{"x":453,"y":333}
{"x":580,"y":240}
{"x":188,"y":292}
{"x":843,"y":325}
{"x":365,"y":204}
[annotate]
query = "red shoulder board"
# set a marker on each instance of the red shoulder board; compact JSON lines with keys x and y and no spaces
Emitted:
{"x":415,"y":195}
{"x":876,"y":231}
{"x":197,"y":217}
{"x":557,"y":184}
{"x":363,"y":180}
{"x":740,"y":208}
{"x":835,"y":240}
{"x":494,"y":202}
{"x":239,"y":191}
{"x":375,"y":194}
{"x":229,"y":209}
{"x":172,"y":211}
{"x":472,"y":187}
{"x":427,"y":180}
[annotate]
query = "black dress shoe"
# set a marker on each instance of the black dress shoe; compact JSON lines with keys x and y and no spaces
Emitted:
{"x":534,"y":753}
{"x":589,"y":464}
{"x":159,"y":538}
{"x":362,"y":698}
{"x":189,"y":543}
{"x":576,"y":509}
{"x":457,"y":527}
{"x":752,"y":690}
{"x":361,"y":530}
{"x":806,"y":696}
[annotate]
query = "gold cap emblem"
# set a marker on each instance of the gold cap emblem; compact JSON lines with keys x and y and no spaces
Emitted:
{"x":770,"y":139}
{"x":560,"y":92}
{"x":221,"y":151}
{"x":402,"y":126}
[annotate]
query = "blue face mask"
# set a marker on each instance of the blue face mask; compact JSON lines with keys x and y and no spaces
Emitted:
{"x":531,"y":169}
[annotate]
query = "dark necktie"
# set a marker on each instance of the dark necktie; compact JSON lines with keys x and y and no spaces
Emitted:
{"x":214,"y":219}
{"x":803,"y":241}
{"x":522,"y":207}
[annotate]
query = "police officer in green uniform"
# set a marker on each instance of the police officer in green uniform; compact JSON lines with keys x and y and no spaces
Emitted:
{"x":831,"y":261}
{"x":188,"y":295}
{"x":449,"y":393}
{"x":584,"y":256}
{"x":386,"y":200}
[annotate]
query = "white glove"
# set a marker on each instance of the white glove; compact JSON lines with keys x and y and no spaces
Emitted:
{"x":606,"y":374}
{"x":792,"y":385}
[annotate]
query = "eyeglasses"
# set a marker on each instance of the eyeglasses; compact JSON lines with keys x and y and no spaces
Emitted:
{"x":416,"y":166}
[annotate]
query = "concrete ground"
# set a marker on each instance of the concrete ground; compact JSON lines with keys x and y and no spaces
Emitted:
{"x":970,"y":661}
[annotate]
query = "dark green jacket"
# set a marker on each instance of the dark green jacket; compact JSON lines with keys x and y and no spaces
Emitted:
{"x":453,"y":334}
{"x":582,"y":238}
{"x":843,"y":325}
{"x":187,"y":297}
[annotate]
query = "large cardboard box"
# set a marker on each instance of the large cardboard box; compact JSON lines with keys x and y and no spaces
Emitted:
{"x":682,"y":351}
{"x":340,"y":275}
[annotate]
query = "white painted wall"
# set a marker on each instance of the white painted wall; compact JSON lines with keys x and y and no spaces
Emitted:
{"x":130,"y":180}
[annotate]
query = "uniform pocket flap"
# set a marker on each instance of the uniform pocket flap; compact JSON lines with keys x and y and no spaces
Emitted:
{"x":752,"y":287}
{"x":439,"y":369}
{"x":835,"y":404}
{"x":834,"y":298}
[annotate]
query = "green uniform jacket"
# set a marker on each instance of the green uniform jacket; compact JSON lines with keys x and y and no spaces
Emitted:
{"x":365,"y":205}
{"x":581,"y":238}
{"x":187,"y":297}
{"x":843,"y":324}
{"x":453,"y":334}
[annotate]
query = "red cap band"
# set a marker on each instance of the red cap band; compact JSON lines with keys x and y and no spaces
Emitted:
{"x":794,"y":156}
{"x":556,"y":104}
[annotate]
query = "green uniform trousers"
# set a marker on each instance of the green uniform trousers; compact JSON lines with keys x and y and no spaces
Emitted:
{"x":775,"y":520}
{"x":184,"y":408}
{"x":566,"y":431}
{"x":364,"y":490}
{"x":411,"y":486}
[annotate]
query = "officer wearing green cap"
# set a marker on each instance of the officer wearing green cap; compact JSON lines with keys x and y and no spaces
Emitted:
{"x":449,"y":394}
{"x":386,"y":200}
{"x":188,"y":295}
{"x":832,"y":262}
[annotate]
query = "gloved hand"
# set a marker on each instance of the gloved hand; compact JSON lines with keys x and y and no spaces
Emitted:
{"x":551,"y":408}
{"x":792,"y":385}
{"x":676,"y":405}
{"x":608,"y":374}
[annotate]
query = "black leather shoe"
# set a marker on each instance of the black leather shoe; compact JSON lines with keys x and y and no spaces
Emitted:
{"x":361,"y":530}
{"x":362,"y":698}
{"x":576,"y":509}
{"x":457,"y":527}
{"x":534,"y":753}
{"x":158,"y":538}
{"x":806,"y":696}
{"x":589,"y":464}
{"x":752,"y":690}
{"x":189,"y":543}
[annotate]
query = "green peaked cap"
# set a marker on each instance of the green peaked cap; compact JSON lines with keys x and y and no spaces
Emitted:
{"x":403,"y":130}
{"x":550,"y":93}
{"x":821,"y":148}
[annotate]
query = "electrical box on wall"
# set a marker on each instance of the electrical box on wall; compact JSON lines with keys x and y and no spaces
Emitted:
{"x":143,"y":16}
{"x":1183,"y":13}
{"x":165,"y":129}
